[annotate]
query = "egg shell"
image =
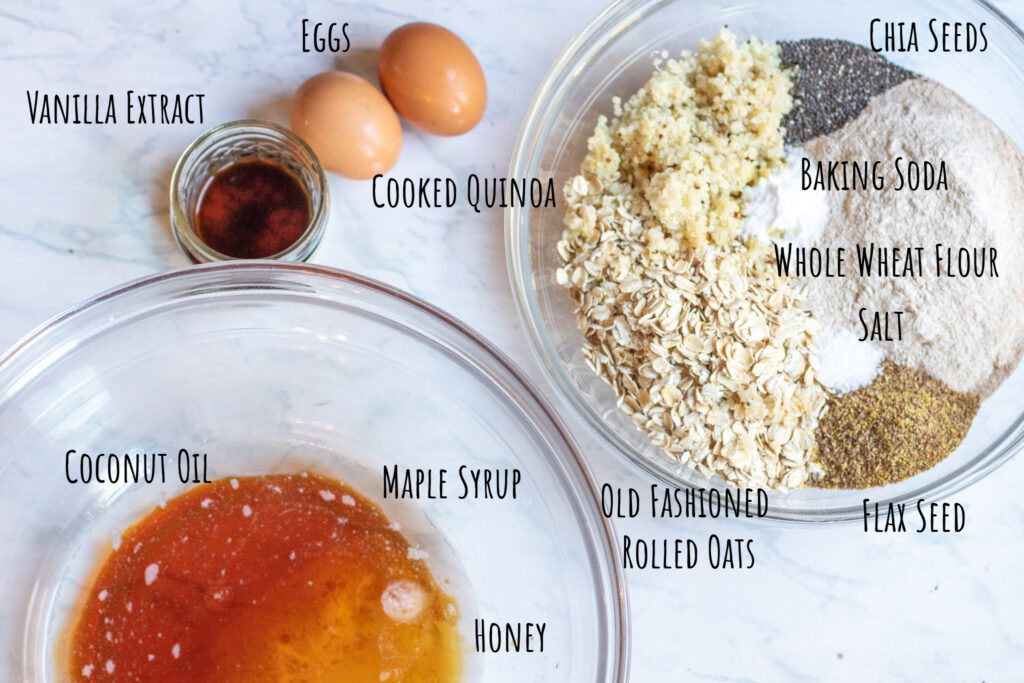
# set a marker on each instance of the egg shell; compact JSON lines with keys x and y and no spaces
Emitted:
{"x":432,"y":78}
{"x":349,"y":124}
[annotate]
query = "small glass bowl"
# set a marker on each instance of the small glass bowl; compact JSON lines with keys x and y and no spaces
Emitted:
{"x":228,"y":144}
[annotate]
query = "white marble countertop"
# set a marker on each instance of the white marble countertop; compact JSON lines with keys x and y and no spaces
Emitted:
{"x":83,"y":208}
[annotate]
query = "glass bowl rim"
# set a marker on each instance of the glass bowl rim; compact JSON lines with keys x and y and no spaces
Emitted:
{"x":533,"y":134}
{"x":36,"y":350}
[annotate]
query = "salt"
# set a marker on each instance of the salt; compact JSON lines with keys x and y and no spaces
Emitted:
{"x":845,"y":362}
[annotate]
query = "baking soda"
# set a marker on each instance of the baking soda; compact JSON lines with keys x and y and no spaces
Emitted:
{"x":778,"y":209}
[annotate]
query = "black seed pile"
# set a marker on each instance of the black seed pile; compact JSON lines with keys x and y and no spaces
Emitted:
{"x":834,"y":81}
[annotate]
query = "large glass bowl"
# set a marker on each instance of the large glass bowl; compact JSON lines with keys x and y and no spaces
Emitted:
{"x":272,"y":367}
{"x":613,"y":56}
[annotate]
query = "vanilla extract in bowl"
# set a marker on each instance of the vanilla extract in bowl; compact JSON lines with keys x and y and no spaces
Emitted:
{"x":252,"y":209}
{"x":249,"y":190}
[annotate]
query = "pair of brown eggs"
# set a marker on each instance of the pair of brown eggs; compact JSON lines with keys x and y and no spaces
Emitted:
{"x":429,"y":76}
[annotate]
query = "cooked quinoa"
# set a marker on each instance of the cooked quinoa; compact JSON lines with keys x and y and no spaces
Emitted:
{"x":680,"y":151}
{"x":708,"y":350}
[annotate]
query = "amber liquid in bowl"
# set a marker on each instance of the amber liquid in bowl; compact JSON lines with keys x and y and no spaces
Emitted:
{"x":288,"y":577}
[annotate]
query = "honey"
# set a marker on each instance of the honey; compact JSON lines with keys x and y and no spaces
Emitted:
{"x":269,"y":578}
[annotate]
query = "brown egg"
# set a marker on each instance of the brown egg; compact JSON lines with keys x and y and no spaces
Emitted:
{"x":432,"y":78}
{"x":348,"y":123}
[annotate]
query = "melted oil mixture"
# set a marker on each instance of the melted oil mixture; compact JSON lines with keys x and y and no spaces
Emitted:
{"x":272,"y":578}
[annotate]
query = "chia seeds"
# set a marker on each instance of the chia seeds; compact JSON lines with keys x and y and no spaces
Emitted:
{"x":834,"y":81}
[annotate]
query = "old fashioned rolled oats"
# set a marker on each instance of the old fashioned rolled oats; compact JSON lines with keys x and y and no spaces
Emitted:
{"x":709,"y":351}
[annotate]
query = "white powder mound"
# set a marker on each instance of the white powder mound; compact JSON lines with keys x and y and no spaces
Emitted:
{"x":403,"y":600}
{"x":778,"y":209}
{"x":416,"y":554}
{"x":846,"y":363}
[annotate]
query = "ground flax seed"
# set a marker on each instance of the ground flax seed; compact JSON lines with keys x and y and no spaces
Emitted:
{"x":901,"y":424}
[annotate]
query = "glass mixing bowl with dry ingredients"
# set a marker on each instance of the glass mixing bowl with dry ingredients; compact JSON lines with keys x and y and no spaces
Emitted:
{"x":613,"y":56}
{"x":284,"y":368}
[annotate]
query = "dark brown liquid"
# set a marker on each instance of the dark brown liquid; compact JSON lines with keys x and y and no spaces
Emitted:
{"x":252,"y":209}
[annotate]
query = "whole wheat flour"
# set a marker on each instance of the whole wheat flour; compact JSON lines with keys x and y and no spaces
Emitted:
{"x":967,"y":332}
